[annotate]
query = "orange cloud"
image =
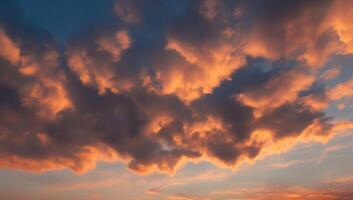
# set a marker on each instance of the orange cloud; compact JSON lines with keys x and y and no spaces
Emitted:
{"x":115,"y":45}
{"x":341,"y":90}
{"x":296,"y":193}
{"x":335,"y":93}
{"x":205,"y":68}
{"x":339,"y":19}
{"x":187,"y":89}
{"x":39,"y":81}
{"x":8,"y":48}
{"x":277,"y":91}
{"x":103,"y":77}
{"x":331,"y":73}
{"x":330,"y":189}
{"x":316,"y":102}
{"x":311,"y":32}
{"x":81,"y":162}
{"x":48,"y":91}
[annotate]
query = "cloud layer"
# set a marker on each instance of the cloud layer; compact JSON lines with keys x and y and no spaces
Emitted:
{"x":221,"y":81}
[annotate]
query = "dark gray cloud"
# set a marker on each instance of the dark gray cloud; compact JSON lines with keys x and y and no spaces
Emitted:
{"x":169,"y":81}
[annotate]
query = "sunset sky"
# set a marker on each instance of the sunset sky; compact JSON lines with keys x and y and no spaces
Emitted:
{"x":176,"y":100}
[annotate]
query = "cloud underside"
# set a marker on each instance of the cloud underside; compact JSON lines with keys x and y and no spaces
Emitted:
{"x":219,"y":81}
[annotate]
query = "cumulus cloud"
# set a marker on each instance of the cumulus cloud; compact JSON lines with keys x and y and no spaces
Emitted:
{"x":281,"y":89}
{"x":226,"y":82}
{"x":105,"y":52}
{"x":307,"y":31}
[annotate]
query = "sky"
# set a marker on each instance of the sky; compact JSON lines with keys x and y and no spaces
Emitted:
{"x":176,"y":100}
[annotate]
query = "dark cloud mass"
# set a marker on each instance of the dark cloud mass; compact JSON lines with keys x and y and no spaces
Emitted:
{"x":165,"y":82}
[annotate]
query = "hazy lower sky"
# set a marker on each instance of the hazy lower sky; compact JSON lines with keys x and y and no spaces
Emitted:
{"x":176,"y":100}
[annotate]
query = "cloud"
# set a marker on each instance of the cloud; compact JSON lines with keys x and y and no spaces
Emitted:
{"x":206,"y":81}
{"x":321,"y":99}
{"x":105,"y":51}
{"x":331,"y":73}
{"x":341,"y":90}
{"x":303,"y":31}
{"x":278,"y":90}
{"x":205,"y":176}
{"x":201,"y":52}
{"x":299,"y":193}
{"x":285,"y":164}
{"x":9,"y":50}
{"x":325,"y":190}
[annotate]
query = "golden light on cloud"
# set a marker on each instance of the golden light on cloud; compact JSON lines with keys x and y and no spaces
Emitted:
{"x":205,"y":68}
{"x":85,"y":160}
{"x":103,"y":77}
{"x":8,"y":48}
{"x":277,"y":91}
{"x":161,"y":85}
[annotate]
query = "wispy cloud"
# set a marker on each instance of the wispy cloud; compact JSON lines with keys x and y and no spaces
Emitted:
{"x":286,"y":164}
{"x":206,"y":177}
